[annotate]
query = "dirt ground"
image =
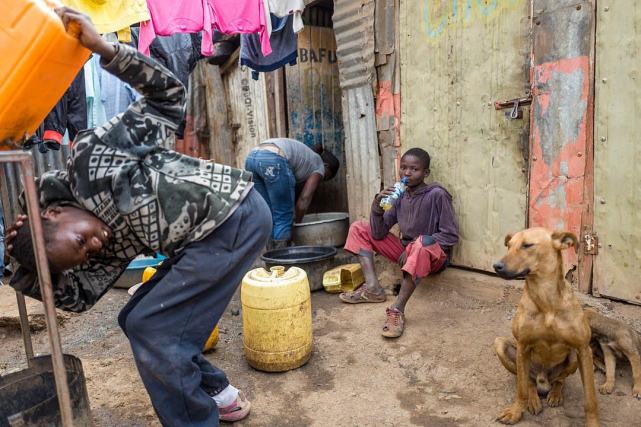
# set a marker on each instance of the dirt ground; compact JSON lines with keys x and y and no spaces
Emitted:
{"x":442,"y":372}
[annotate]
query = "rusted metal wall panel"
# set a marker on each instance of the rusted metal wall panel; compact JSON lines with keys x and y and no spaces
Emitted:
{"x":561,"y":86}
{"x":315,"y":110}
{"x":457,"y":58}
{"x":246,"y":111}
{"x":354,"y":28}
{"x":361,"y":151}
{"x":388,"y":97}
{"x":617,"y":150}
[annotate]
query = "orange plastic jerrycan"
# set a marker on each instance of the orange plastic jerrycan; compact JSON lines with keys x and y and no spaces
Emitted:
{"x":39,"y":62}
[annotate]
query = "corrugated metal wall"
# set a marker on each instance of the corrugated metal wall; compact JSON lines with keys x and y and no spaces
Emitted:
{"x":354,"y":29}
{"x":457,"y":58}
{"x":11,"y":186}
{"x":617,"y":150}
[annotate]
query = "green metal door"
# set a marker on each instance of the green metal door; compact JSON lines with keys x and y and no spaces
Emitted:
{"x":457,"y":58}
{"x":617,"y":150}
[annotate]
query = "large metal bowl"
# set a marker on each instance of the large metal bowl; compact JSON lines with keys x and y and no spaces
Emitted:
{"x":324,"y":229}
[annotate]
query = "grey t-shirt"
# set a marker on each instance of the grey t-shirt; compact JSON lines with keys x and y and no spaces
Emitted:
{"x":302,"y":160}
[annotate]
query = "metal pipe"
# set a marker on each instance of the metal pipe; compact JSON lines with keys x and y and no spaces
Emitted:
{"x":24,"y":327}
{"x":44,"y":278}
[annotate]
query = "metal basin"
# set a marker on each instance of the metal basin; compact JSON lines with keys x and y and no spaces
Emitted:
{"x":324,"y":229}
{"x":315,"y":260}
{"x":28,"y":397}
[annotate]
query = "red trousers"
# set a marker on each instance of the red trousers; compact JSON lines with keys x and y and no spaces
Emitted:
{"x":421,"y":260}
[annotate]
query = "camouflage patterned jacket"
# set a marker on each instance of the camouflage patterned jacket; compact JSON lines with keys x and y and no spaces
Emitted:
{"x":153,"y":199}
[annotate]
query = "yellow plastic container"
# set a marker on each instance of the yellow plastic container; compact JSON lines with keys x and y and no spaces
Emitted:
{"x":213,"y":338}
{"x":277,"y":318}
{"x":344,"y":278}
{"x":39,"y":61}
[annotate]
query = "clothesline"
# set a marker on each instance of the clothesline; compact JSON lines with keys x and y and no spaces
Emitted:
{"x":177,"y":34}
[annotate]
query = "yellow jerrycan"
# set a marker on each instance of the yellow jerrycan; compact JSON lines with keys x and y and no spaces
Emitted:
{"x":39,"y":61}
{"x":213,"y":338}
{"x":277,"y":318}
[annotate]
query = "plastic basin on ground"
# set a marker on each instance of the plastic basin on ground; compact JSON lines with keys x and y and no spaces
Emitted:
{"x":315,"y":260}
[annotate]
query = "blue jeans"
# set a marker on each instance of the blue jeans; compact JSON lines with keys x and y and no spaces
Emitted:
{"x":274,"y":180}
{"x":169,"y":319}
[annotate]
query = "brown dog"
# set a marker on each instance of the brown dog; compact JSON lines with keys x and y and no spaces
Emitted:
{"x":551,"y":333}
{"x":615,"y":339}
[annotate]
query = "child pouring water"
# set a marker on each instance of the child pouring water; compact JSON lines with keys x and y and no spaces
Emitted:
{"x":428,"y":228}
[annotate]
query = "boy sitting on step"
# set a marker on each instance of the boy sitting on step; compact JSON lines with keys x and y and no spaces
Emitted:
{"x":427,"y":222}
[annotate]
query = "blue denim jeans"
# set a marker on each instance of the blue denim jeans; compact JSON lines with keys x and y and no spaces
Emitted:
{"x":169,"y":319}
{"x":275,"y":181}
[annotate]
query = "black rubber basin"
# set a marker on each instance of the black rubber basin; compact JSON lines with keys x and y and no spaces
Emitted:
{"x":315,"y":260}
{"x":28,"y":397}
{"x":298,"y":255}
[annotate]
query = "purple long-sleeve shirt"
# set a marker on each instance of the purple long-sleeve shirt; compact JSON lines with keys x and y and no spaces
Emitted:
{"x":428,"y":210}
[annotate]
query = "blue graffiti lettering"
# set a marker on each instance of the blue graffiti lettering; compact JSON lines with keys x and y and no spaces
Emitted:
{"x":486,"y":10}
{"x":432,"y":32}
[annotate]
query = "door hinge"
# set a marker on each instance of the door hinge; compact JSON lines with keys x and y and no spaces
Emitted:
{"x":591,"y":243}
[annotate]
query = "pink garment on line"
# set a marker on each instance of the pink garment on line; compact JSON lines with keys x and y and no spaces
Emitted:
{"x":191,"y":16}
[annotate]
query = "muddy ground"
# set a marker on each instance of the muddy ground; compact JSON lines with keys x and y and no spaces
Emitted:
{"x":442,"y":372}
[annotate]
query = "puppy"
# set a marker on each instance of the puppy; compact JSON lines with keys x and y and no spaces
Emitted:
{"x":615,"y":339}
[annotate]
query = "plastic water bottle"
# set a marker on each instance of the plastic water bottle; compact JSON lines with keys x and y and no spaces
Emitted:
{"x":388,"y":201}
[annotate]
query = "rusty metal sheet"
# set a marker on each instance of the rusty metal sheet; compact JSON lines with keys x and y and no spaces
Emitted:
{"x":385,"y":26}
{"x":617,"y":151}
{"x":354,"y":29}
{"x":361,"y":151}
{"x":457,"y":58}
{"x":561,"y":77}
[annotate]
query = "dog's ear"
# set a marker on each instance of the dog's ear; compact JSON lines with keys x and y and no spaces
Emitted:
{"x":564,"y":239}
{"x":508,"y":237}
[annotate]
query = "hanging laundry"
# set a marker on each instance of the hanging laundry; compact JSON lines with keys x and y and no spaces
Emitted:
{"x":224,"y":46}
{"x":183,"y":16}
{"x":69,"y":114}
{"x":96,"y":115}
{"x":242,"y":17}
{"x":282,"y":8}
{"x":115,"y":94}
{"x":178,"y":52}
{"x":112,"y":15}
{"x":284,"y":50}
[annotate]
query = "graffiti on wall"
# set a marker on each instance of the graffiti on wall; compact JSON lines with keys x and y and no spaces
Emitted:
{"x":438,"y":15}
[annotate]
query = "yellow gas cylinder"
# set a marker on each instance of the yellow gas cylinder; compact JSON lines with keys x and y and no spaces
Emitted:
{"x":213,"y":338}
{"x":277,"y":318}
